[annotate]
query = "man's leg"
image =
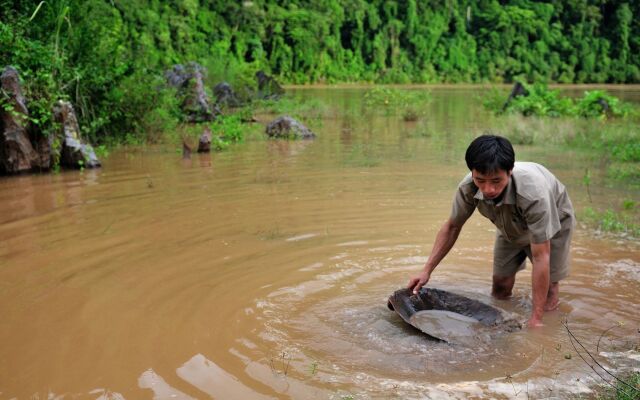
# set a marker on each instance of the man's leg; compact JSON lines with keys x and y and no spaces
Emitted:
{"x":559,"y":265}
{"x":508,"y":258}
{"x":502,"y":286}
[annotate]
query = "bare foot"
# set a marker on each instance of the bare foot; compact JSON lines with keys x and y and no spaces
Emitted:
{"x":534,"y":323}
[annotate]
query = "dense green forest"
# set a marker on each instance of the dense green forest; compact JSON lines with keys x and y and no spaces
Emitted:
{"x":108,"y":56}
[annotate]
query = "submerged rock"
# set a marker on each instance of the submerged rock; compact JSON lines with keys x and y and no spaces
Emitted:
{"x":451,"y":317}
{"x":16,"y":151}
{"x":74,"y":153}
{"x":289,"y":128}
{"x":268,"y":87}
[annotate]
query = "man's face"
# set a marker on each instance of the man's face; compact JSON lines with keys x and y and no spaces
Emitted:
{"x":491,"y":184}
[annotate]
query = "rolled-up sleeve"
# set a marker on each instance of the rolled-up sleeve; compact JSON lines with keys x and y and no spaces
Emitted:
{"x":542,"y":218}
{"x":463,"y":206}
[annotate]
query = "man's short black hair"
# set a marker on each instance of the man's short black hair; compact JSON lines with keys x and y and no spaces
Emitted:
{"x":490,"y":153}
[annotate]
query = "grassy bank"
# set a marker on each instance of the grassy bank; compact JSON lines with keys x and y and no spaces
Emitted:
{"x":603,"y":130}
{"x":610,"y":151}
{"x":628,"y":389}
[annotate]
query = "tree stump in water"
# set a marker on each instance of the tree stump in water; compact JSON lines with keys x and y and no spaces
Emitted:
{"x":204,"y":143}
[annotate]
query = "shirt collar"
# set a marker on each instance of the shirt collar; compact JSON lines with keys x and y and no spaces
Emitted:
{"x":509,"y":194}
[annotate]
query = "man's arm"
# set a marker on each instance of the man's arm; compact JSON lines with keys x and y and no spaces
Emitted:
{"x":539,"y":281}
{"x":446,"y":237}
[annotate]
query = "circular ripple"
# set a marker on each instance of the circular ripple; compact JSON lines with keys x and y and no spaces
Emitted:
{"x":339,"y":320}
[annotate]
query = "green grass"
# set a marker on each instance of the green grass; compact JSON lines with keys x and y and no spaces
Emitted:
{"x":614,"y":144}
{"x":225,"y":130}
{"x":610,"y":147}
{"x":630,"y":390}
{"x":623,"y":221}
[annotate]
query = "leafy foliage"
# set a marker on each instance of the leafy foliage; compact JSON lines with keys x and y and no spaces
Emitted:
{"x":544,"y":102}
{"x":541,"y":101}
{"x":621,"y":222}
{"x":596,"y":103}
{"x":108,"y":57}
{"x":229,"y":129}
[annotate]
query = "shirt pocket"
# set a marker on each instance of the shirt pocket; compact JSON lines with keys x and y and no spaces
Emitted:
{"x":515,"y":223}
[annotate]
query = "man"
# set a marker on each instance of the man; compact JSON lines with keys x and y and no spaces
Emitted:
{"x":532,"y":212}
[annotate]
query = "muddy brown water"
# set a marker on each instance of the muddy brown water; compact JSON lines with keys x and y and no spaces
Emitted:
{"x":263,"y":271}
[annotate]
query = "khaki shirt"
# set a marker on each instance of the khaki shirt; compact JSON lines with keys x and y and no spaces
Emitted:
{"x":534,"y":208}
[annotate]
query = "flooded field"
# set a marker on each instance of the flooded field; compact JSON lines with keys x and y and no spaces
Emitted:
{"x":264,"y":271}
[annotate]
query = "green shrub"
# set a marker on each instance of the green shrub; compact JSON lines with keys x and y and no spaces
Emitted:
{"x":390,"y":101}
{"x":628,"y":172}
{"x":494,"y":100}
{"x":142,"y":106}
{"x":597,"y":103}
{"x":544,"y":102}
{"x":627,"y":152}
{"x":541,"y":101}
{"x":613,"y":221}
{"x":229,"y":128}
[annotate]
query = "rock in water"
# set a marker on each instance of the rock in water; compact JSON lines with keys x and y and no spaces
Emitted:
{"x":225,"y":95}
{"x":46,"y":153}
{"x":451,"y":317}
{"x":288,"y":128}
{"x":517,"y":91}
{"x":16,"y":151}
{"x":268,"y":87}
{"x":74,"y":153}
{"x":189,"y":81}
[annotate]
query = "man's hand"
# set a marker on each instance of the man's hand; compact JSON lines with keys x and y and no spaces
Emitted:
{"x":418,"y":281}
{"x":446,"y":237}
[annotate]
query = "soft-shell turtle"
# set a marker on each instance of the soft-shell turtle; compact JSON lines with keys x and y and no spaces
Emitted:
{"x":451,"y":317}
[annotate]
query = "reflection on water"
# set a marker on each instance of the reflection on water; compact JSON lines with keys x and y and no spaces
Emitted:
{"x":263,"y":272}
